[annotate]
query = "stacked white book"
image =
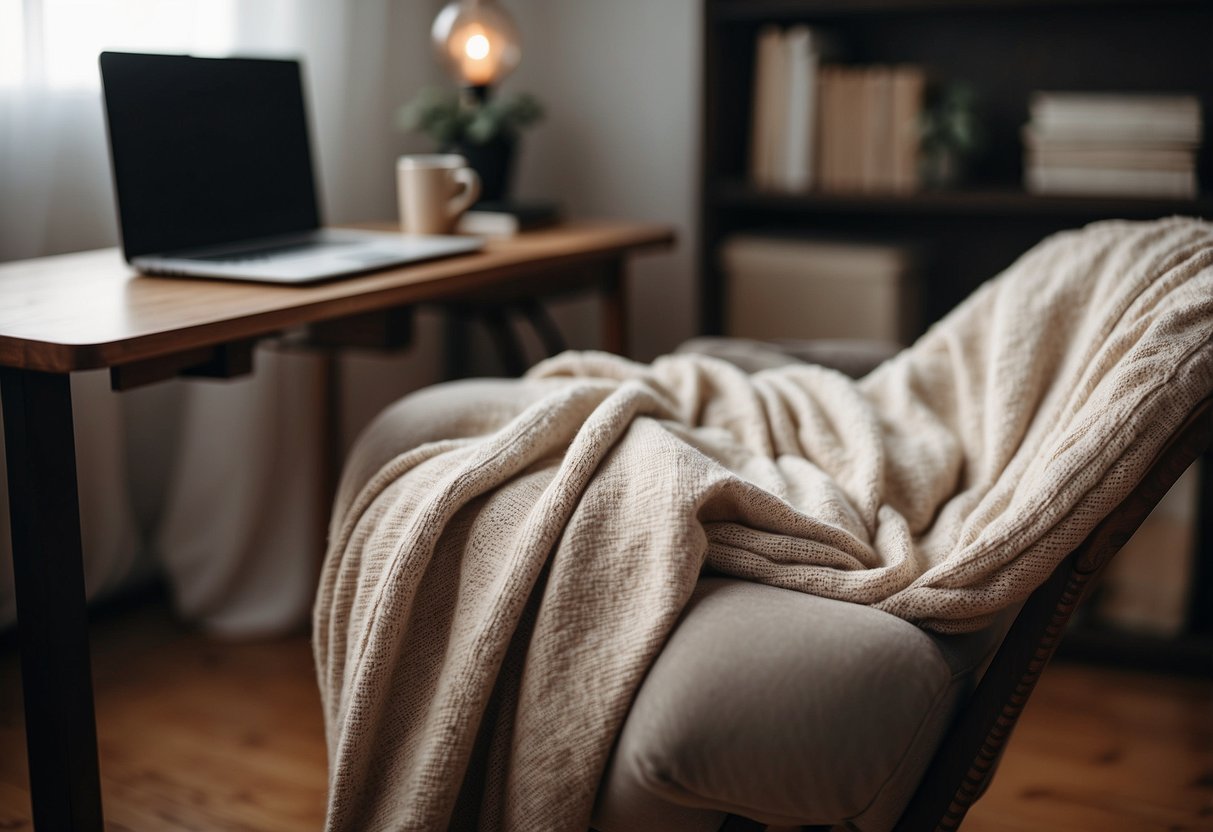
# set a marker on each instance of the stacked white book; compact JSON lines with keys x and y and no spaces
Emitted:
{"x":1110,"y":144}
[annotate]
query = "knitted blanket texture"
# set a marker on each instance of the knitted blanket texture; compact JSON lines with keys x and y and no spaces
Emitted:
{"x":490,"y":603}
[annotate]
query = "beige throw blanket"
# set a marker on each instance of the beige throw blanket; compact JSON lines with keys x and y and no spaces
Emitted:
{"x":490,"y":604}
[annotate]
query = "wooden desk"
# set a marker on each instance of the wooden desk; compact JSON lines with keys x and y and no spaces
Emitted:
{"x":89,"y":311}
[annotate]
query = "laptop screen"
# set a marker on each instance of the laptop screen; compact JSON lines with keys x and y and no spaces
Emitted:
{"x":207,"y":150}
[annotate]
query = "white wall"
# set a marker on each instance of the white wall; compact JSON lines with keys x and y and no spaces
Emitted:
{"x":384,"y":56}
{"x":620,"y":80}
{"x":388,"y":49}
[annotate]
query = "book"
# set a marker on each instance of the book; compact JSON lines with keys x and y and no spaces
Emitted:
{"x":506,"y":219}
{"x":1098,"y":181}
{"x":828,"y":123}
{"x":1131,"y":134}
{"x":1108,"y":117}
{"x":764,"y":104}
{"x":785,"y":106}
{"x":795,"y":170}
{"x":1112,"y":144}
{"x":869,"y":133}
{"x":1132,"y":157}
{"x":908,"y":91}
{"x":876,"y":129}
{"x":850,"y":116}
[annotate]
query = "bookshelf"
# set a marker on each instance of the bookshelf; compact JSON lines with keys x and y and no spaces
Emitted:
{"x":991,"y":201}
{"x":1006,"y":49}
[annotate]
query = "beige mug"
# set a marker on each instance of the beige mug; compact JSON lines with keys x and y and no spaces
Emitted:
{"x":434,"y":189}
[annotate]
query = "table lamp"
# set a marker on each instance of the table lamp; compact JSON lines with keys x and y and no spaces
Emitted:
{"x":477,"y":42}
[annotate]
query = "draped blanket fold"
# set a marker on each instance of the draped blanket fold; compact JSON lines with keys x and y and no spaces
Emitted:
{"x":490,"y":602}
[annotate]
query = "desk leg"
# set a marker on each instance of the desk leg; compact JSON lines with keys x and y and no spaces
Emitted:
{"x":48,"y":568}
{"x":456,"y":330}
{"x":615,"y":308}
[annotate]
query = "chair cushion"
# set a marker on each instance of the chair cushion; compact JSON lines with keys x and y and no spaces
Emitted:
{"x":785,"y":708}
{"x":767,"y":703}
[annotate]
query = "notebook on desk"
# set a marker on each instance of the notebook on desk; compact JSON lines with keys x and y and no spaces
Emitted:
{"x":213,"y":175}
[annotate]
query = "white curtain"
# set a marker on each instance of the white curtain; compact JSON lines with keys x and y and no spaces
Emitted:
{"x":215,"y":481}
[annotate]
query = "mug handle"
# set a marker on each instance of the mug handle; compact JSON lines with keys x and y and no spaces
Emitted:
{"x":468,"y":194}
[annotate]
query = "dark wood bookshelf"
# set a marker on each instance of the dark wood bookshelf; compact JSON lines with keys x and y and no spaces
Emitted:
{"x":780,"y":11}
{"x":1006,"y":50}
{"x":995,"y":202}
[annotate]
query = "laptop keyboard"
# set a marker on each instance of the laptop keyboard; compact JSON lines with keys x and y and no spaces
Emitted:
{"x":270,"y":252}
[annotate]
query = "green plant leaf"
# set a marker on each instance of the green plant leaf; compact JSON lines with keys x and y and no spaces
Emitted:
{"x":449,"y":118}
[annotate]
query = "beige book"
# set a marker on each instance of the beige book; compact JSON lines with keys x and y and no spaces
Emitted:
{"x":878,"y":129}
{"x":833,"y":128}
{"x":909,"y":86}
{"x":827,"y":128}
{"x":1033,"y":138}
{"x":1175,"y":117}
{"x":1112,"y":157}
{"x":868,"y":127}
{"x":763,"y":105}
{"x":1052,"y":103}
{"x":1088,"y":181}
{"x":850,"y":129}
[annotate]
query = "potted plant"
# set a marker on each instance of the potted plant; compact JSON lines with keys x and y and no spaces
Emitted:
{"x":484,"y":130}
{"x":952,"y":135}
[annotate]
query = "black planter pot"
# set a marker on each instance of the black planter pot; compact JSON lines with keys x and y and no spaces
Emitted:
{"x":493,"y":162}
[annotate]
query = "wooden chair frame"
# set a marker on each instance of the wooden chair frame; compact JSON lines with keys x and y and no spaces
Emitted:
{"x":964,"y":763}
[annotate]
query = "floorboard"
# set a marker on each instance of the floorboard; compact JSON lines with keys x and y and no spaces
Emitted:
{"x":201,"y":734}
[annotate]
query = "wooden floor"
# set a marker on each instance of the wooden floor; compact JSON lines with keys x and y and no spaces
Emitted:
{"x":198,"y":734}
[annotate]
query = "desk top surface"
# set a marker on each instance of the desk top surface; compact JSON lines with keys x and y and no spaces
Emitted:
{"x":90,"y":309}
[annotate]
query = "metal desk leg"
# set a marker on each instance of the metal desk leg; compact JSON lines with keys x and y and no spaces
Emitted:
{"x":61,"y":730}
{"x":456,"y":330}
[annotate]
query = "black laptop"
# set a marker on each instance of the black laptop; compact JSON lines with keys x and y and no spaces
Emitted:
{"x":213,"y":174}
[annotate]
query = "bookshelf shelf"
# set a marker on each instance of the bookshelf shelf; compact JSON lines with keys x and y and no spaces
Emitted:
{"x":736,"y":194}
{"x":776,"y":11}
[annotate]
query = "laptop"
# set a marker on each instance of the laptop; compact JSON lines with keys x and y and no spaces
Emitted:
{"x":213,"y":175}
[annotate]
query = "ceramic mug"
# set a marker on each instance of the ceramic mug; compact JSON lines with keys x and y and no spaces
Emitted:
{"x":434,"y":189}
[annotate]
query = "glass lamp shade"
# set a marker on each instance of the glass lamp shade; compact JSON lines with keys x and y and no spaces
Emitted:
{"x":476,"y":41}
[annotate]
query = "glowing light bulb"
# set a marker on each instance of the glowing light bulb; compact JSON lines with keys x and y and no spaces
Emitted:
{"x":476,"y":41}
{"x":477,"y":47}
